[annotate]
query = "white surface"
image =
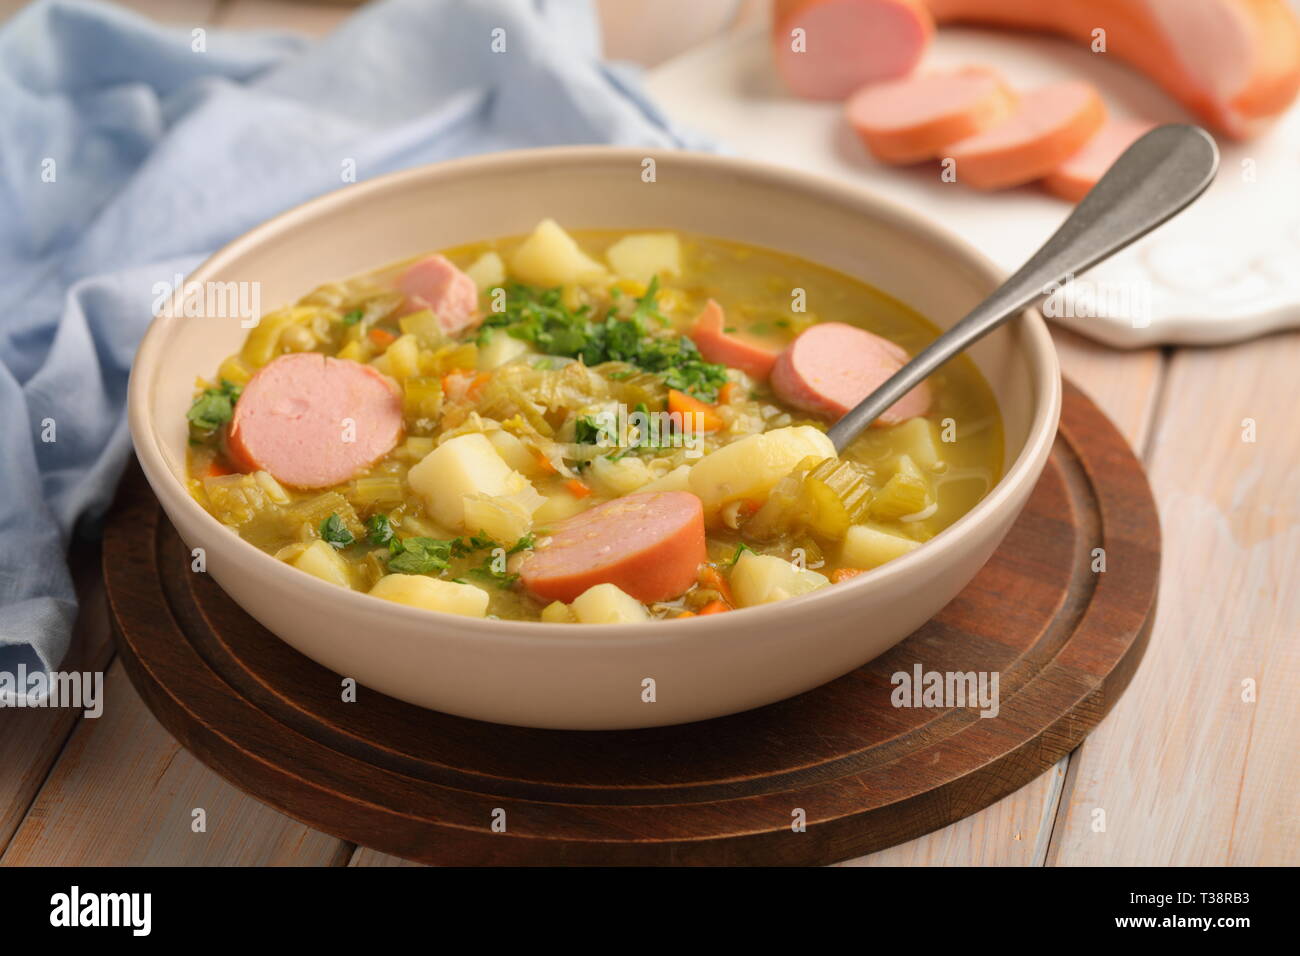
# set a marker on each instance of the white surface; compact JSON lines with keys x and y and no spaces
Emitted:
{"x":1226,"y":269}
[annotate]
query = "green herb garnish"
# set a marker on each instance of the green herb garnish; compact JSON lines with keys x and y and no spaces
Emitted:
{"x":587,"y":431}
{"x":380,"y":530}
{"x":335,"y":533}
{"x":353,"y":316}
{"x":540,"y":317}
{"x":213,"y":408}
{"x":420,"y":556}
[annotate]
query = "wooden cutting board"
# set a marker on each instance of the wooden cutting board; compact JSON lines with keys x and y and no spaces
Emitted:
{"x":857,"y":772}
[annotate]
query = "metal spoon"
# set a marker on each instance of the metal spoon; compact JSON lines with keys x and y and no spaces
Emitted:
{"x":1156,"y":178}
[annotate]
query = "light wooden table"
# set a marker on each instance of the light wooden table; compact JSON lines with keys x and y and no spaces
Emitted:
{"x":1187,"y":769}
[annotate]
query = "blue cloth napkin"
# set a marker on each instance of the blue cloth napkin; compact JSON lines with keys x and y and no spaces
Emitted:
{"x":128,"y":151}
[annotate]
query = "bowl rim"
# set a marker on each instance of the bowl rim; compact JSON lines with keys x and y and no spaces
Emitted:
{"x":1039,"y":352}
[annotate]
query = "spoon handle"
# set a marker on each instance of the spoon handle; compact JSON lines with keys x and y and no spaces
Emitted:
{"x":1155,"y":179}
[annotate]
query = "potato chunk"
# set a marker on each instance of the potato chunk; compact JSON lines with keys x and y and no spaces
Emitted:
{"x":487,"y":271}
{"x":431,"y":594}
{"x":867,"y":546}
{"x":763,"y":578}
{"x":608,"y":604}
{"x":679,"y":479}
{"x":500,"y":349}
{"x":642,"y":257}
{"x":322,"y":560}
{"x":467,"y":465}
{"x":550,"y":257}
{"x":501,"y":519}
{"x":621,"y":477}
{"x":750,"y":467}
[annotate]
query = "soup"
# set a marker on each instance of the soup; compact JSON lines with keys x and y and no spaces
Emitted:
{"x":588,"y":427}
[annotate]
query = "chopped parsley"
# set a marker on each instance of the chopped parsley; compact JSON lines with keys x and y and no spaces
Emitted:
{"x":433,"y":555}
{"x":380,"y":530}
{"x":587,"y":431}
{"x":335,"y":533}
{"x":353,"y":317}
{"x":460,"y":547}
{"x":540,"y":317}
{"x":213,"y":408}
{"x":420,"y":556}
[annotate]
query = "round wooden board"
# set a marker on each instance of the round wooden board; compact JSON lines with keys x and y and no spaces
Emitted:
{"x":1063,"y":640}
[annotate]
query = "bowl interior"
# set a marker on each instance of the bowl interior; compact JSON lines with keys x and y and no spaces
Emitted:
{"x":373,"y":224}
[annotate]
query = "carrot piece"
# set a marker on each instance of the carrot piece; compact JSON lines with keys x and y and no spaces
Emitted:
{"x":684,"y":614}
{"x":477,"y":384}
{"x":545,"y":464}
{"x":217,"y":470}
{"x":727,"y":393}
{"x":381,"y":337}
{"x":714,"y":607}
{"x":577,"y":488}
{"x":843,"y":574}
{"x":684,"y":405}
{"x":711,"y":577}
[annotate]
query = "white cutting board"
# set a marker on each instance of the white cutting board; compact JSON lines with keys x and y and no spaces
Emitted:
{"x":1226,"y":269}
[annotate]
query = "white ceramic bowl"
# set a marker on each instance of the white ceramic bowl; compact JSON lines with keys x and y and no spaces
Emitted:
{"x":592,"y":677}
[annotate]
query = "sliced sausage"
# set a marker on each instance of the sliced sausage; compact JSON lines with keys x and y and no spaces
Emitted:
{"x":716,"y":345}
{"x":435,"y":283}
{"x":832,"y":366}
{"x":649,"y":544}
{"x":1235,"y":63}
{"x":826,"y":49}
{"x":913,"y":119}
{"x":1078,"y":174}
{"x":1050,"y":124}
{"x":313,"y":421}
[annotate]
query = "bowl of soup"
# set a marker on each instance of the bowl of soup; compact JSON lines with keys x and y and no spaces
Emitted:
{"x":540,"y":437}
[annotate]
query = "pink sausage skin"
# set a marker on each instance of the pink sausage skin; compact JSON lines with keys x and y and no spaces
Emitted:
{"x":292,"y":420}
{"x":717,"y":345}
{"x":435,"y":283}
{"x":1078,"y":174}
{"x":649,"y":544}
{"x":832,"y":366}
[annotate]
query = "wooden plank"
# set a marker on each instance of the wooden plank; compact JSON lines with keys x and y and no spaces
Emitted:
{"x":1185,"y":771}
{"x":1012,"y":832}
{"x":123,"y":793}
{"x":30,"y":740}
{"x":1125,"y":385}
{"x":364,"y":856}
